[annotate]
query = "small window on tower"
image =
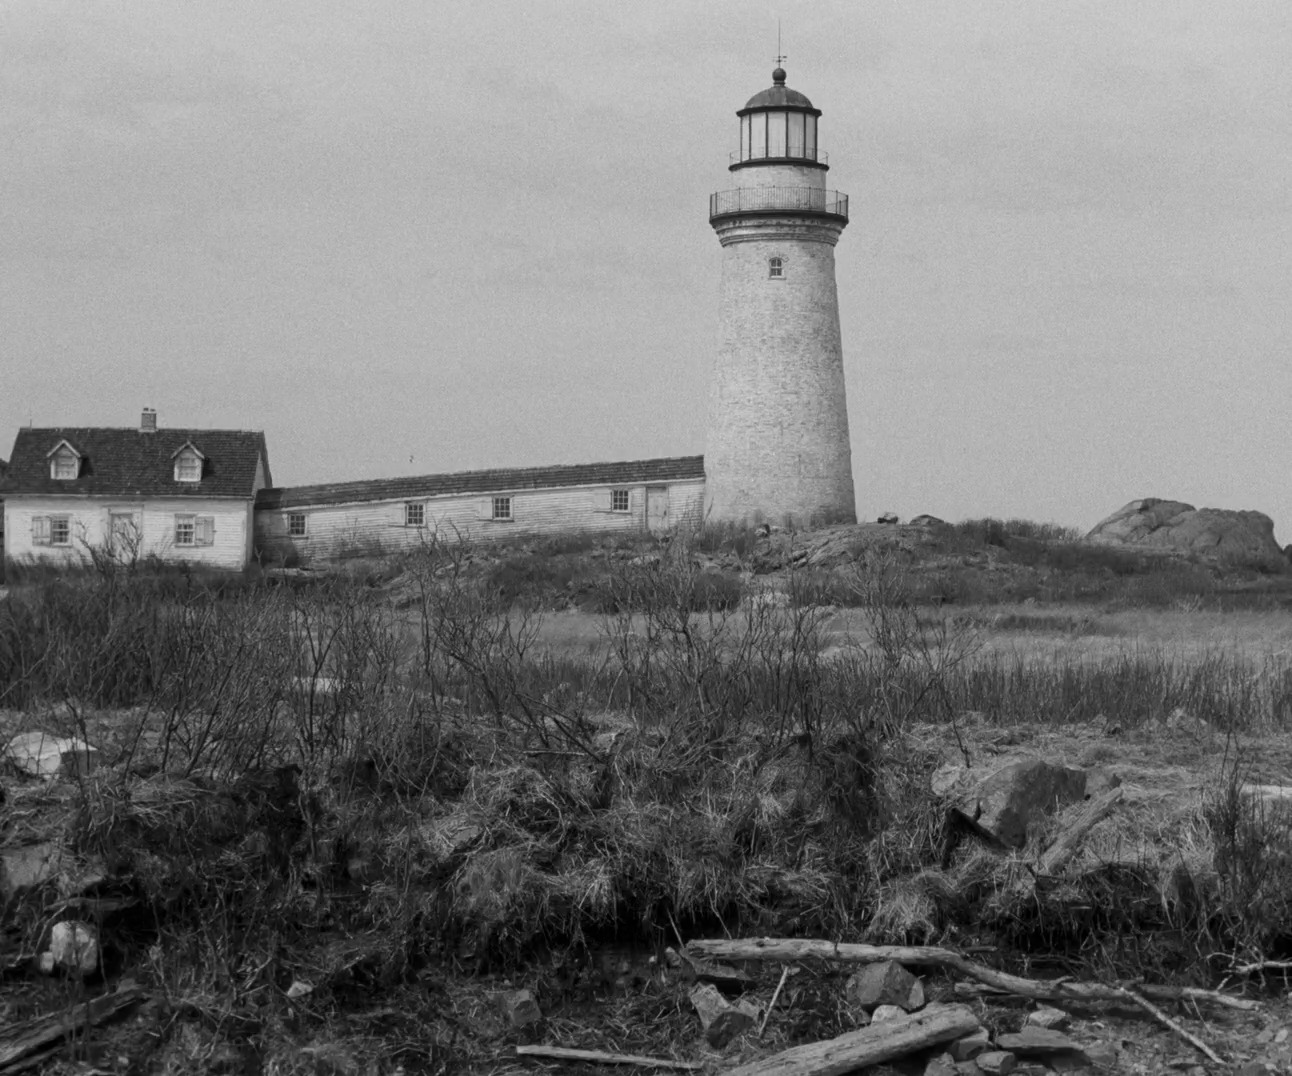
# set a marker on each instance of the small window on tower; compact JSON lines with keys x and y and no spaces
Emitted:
{"x":775,"y":268}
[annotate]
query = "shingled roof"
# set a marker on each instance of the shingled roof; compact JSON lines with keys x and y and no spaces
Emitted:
{"x":127,"y":463}
{"x":506,"y":480}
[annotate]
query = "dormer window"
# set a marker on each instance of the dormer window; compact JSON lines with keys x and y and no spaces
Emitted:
{"x":64,"y":462}
{"x":188,"y":464}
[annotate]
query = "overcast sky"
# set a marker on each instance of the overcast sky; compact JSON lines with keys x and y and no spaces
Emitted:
{"x":405,"y":237}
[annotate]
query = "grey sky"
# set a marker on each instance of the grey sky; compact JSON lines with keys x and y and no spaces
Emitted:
{"x":476,"y":234}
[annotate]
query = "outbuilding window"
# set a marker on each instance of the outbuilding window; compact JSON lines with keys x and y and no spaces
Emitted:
{"x":502,"y":508}
{"x":414,"y":514}
{"x":296,"y":524}
{"x":775,"y":268}
{"x":619,"y":500}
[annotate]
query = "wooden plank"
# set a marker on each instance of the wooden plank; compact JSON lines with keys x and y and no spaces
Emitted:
{"x":872,"y":1045}
{"x":598,"y":1057}
{"x":38,"y":1034}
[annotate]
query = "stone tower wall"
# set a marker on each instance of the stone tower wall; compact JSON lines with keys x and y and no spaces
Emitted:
{"x":778,"y":443}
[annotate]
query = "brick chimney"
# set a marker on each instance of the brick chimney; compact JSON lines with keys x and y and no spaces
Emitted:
{"x":148,"y":421}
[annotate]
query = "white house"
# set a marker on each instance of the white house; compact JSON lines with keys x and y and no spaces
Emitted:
{"x":385,"y":515}
{"x":184,"y":495}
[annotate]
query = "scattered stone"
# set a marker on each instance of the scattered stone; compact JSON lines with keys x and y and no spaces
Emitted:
{"x":1014,"y":797}
{"x":1281,"y":1035}
{"x":1102,"y":1054}
{"x":721,"y":1019}
{"x":27,"y":867}
{"x":45,"y":962}
{"x":1264,"y":1037}
{"x":41,"y":754}
{"x":941,"y":1065}
{"x":1049,"y":1017}
{"x":1035,"y":1041}
{"x":885,"y":983}
{"x":996,"y":1062}
{"x":883,"y":1013}
{"x":519,"y":1008}
{"x":299,"y":989}
{"x":926,"y":520}
{"x":970,"y":1046}
{"x":74,"y":946}
{"x":888,"y":517}
{"x":671,"y":959}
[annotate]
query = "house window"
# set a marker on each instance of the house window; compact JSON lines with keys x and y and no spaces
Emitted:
{"x":502,"y":508}
{"x":188,"y":467}
{"x":60,"y":530}
{"x":296,"y":524}
{"x":194,"y":530}
{"x":775,"y":268}
{"x":619,"y":500}
{"x":414,"y":514}
{"x":65,"y":465}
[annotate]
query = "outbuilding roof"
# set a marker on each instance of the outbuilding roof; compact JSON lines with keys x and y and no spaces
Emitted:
{"x":128,"y":463}
{"x":504,"y":480}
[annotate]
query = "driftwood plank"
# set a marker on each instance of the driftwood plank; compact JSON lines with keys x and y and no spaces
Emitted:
{"x":931,"y":956}
{"x":872,"y":1045}
{"x":36,"y":1035}
{"x":598,"y":1057}
{"x":1065,"y":847}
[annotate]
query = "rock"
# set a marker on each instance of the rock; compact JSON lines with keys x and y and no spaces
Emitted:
{"x":885,"y":983}
{"x":1154,"y":523}
{"x":1014,"y":797}
{"x":45,"y":963}
{"x":996,"y":1062}
{"x":970,"y":1046}
{"x":884,"y":1013}
{"x":926,"y":520}
{"x":519,"y":1008}
{"x":1101,"y":1054}
{"x":74,"y":946}
{"x":27,"y":867}
{"x":41,"y":754}
{"x":722,"y":1020}
{"x":1035,"y":1041}
{"x":1281,"y":1035}
{"x":1050,"y":1018}
{"x":888,"y":517}
{"x":941,"y":1065}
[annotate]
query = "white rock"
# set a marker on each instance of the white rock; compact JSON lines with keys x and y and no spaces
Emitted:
{"x":41,"y":754}
{"x":75,"y":946}
{"x":46,"y":963}
{"x":882,"y":1013}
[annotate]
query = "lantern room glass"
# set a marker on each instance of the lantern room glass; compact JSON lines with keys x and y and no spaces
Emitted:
{"x":778,"y":135}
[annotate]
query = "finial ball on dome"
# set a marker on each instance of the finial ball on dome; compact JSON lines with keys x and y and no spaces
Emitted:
{"x":778,"y":76}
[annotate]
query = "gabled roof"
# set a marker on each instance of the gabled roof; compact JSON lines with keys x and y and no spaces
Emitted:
{"x":507,"y":480}
{"x":127,"y":463}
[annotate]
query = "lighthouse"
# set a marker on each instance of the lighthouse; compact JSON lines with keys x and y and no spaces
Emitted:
{"x":777,"y":447}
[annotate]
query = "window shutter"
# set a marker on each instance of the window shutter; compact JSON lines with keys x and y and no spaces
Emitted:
{"x":484,"y":509}
{"x":40,"y":530}
{"x":204,"y":532}
{"x":602,"y":500}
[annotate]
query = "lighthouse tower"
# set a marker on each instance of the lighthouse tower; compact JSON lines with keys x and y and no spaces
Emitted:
{"x":777,"y":444}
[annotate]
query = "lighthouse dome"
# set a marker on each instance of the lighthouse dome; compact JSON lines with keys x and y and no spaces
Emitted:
{"x":778,"y":95}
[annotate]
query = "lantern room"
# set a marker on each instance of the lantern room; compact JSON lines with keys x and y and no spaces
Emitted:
{"x":778,"y":125}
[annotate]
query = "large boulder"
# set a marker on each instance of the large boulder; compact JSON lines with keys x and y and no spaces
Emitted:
{"x":1155,"y":523}
{"x":1018,"y":796}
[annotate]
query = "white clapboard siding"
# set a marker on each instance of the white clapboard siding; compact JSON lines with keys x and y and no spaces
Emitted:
{"x":230,"y":528}
{"x":374,"y":527}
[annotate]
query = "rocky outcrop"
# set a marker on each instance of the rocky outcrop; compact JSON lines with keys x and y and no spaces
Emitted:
{"x":1174,"y":526}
